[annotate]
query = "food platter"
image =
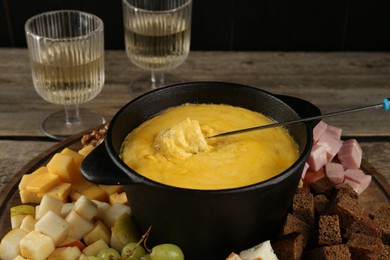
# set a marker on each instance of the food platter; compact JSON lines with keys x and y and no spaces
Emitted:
{"x":377,"y":194}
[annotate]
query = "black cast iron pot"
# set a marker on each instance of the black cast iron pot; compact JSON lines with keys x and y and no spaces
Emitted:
{"x":206,"y":224}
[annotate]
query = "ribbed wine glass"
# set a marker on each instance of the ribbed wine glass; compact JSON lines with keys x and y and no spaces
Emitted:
{"x":157,"y":38}
{"x":66,"y":50}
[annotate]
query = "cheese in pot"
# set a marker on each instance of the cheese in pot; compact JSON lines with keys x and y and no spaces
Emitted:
{"x":171,"y":148}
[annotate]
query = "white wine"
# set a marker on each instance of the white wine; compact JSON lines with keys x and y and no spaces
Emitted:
{"x":68,"y":81}
{"x":157,"y":42}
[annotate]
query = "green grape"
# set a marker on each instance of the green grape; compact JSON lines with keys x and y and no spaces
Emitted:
{"x":83,"y":257}
{"x":166,"y":252}
{"x":145,"y":257}
{"x":136,"y":254}
{"x":109,"y":254}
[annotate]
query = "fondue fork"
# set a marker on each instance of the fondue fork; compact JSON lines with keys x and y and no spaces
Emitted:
{"x":385,"y":105}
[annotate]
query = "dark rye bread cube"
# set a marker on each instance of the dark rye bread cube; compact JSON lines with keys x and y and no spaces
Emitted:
{"x":384,"y":253}
{"x":381,"y":216}
{"x":364,"y":226}
{"x":289,"y":247}
{"x":344,"y":189}
{"x":329,"y":232}
{"x":364,"y":247}
{"x":303,"y":207}
{"x":296,"y":225}
{"x":323,"y":186}
{"x":336,"y":252}
{"x":348,"y":209}
{"x":321,"y":204}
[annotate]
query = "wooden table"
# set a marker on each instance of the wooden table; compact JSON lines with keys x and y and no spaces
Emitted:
{"x":332,"y":81}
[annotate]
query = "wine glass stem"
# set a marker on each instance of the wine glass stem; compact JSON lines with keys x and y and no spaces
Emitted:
{"x":72,"y":115}
{"x":157,"y":79}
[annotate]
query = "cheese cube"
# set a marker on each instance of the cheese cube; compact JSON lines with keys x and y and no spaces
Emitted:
{"x":29,"y":197}
{"x":43,"y":182}
{"x":28,"y":177}
{"x":36,"y":245}
{"x":60,"y":192}
{"x":79,"y":226}
{"x":118,"y":198}
{"x":48,"y":204}
{"x":81,"y":184}
{"x":77,"y":158}
{"x":94,"y":248}
{"x":94,"y":193}
{"x":53,"y":226}
{"x":64,"y":166}
{"x":65,"y":253}
{"x":111,"y":189}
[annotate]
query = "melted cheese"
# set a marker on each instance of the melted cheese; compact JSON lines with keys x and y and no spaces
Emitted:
{"x":171,"y":148}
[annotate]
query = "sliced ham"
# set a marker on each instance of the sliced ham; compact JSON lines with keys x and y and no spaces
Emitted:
{"x":335,"y":172}
{"x":305,"y":168}
{"x":358,"y":176}
{"x":331,"y":143}
{"x":334,"y":131}
{"x":350,"y":154}
{"x":318,"y":130}
{"x":318,"y":157}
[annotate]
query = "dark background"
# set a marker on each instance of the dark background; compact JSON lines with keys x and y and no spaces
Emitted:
{"x":239,"y":25}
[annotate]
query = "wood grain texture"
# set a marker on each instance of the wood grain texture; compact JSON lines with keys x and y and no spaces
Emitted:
{"x":332,"y":81}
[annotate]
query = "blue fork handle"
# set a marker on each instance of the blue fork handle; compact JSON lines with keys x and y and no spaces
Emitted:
{"x":386,"y":104}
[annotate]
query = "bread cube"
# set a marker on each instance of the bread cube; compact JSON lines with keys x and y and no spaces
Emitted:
{"x":65,"y":253}
{"x":114,"y":212}
{"x":79,"y":226}
{"x":48,"y":203}
{"x":100,"y":231}
{"x":9,"y":246}
{"x":86,"y":208}
{"x":28,"y":223}
{"x":94,"y":248}
{"x":53,"y":226}
{"x":36,"y":245}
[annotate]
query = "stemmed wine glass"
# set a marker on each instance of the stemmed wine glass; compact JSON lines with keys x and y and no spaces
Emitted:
{"x":157,"y":38}
{"x":66,"y":50}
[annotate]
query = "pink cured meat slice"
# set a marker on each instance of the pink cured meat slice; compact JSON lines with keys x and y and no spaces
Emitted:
{"x":318,"y":130}
{"x":334,"y":131}
{"x":350,"y":154}
{"x":318,"y":157}
{"x":358,"y":176}
{"x":331,"y":144}
{"x":335,"y":172}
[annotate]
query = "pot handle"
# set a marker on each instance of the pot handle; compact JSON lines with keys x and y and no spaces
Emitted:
{"x":303,"y":108}
{"x":98,"y":167}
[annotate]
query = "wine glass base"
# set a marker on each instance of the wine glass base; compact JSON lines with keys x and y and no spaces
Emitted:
{"x":143,"y":84}
{"x":56,"y":127}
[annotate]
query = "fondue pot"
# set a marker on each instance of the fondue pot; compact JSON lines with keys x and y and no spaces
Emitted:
{"x":206,"y":224}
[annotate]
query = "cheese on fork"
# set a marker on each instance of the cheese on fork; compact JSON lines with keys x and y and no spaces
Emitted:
{"x":182,"y":141}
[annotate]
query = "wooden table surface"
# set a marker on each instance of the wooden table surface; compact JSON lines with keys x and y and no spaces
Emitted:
{"x":332,"y":81}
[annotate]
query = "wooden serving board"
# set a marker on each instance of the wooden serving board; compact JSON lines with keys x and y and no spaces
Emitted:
{"x":377,"y":194}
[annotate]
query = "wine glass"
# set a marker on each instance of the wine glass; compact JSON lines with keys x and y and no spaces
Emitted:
{"x":66,"y":49}
{"x":157,"y":38}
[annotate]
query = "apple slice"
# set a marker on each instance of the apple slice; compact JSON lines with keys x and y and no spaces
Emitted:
{"x":70,"y":242}
{"x":94,"y":248}
{"x":18,"y":213}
